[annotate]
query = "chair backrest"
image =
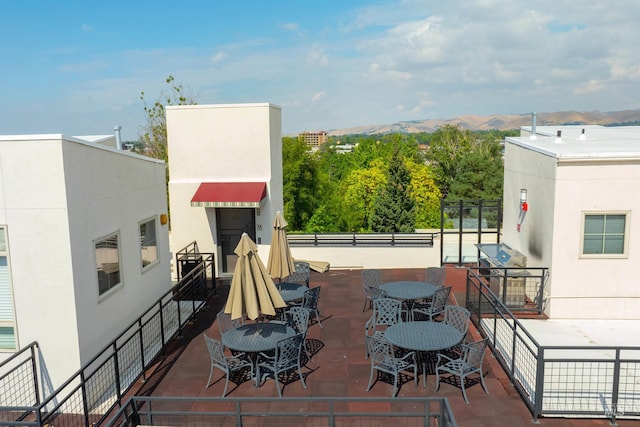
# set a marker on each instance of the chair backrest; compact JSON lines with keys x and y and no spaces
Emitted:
{"x":440,"y":299}
{"x":380,"y":351}
{"x":372,"y":277}
{"x":216,"y":351}
{"x":311,"y":297}
{"x":473,"y":353}
{"x":375,"y":293}
{"x":386,"y":312}
{"x":288,"y":351}
{"x":226,"y":324}
{"x":298,"y":318}
{"x":458,"y":317}
{"x":435,"y":276}
{"x":302,"y":273}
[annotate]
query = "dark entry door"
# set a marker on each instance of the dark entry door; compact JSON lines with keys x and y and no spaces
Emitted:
{"x":231,"y":223}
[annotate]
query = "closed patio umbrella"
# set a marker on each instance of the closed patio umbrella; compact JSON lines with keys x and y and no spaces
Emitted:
{"x":252,"y":289}
{"x":280,"y":263}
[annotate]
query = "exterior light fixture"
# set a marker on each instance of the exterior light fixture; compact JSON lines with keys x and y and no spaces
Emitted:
{"x":523,"y":200}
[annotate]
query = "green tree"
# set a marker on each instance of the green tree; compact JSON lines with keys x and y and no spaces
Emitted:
{"x":301,"y":183}
{"x":448,"y":144}
{"x":154,"y":138}
{"x":358,"y":193}
{"x":426,"y":195}
{"x":480,"y":173}
{"x":394,"y":208}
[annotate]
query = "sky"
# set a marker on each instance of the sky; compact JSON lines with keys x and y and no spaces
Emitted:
{"x":79,"y":67}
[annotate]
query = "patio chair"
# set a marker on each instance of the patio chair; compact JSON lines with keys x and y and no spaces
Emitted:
{"x":310,"y":303}
{"x":302,"y":273}
{"x":226,"y":324}
{"x":469,"y":362}
{"x":371,"y":278}
{"x":371,"y":293}
{"x":298,"y":319}
{"x":435,"y":276}
{"x":435,"y":307}
{"x":383,"y":359}
{"x":285,"y":358}
{"x":227,"y":364}
{"x":458,"y":317}
{"x":386,"y":312}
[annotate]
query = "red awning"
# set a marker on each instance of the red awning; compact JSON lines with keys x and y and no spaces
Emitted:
{"x":230,"y":194}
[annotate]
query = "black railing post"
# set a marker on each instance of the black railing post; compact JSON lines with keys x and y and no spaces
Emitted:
{"x":141,"y":340}
{"x":116,"y":367}
{"x":461,"y":231}
{"x":615,"y":388}
{"x":34,"y":371}
{"x":537,"y":404}
{"x":85,"y":406}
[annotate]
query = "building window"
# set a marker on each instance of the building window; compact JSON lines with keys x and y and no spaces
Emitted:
{"x":604,"y":234}
{"x":148,"y":243}
{"x":7,"y":322}
{"x":108,"y":262}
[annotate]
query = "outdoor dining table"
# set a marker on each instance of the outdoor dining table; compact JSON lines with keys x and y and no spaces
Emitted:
{"x":408,"y":291}
{"x":291,"y":291}
{"x":256,"y":337}
{"x":424,"y":337}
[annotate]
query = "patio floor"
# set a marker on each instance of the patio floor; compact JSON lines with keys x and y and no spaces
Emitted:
{"x":339,"y":367}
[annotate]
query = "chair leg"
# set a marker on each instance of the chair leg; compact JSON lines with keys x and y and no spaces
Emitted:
{"x":210,"y":375}
{"x":301,"y":377}
{"x":277,"y":384}
{"x":226,"y":384}
{"x":370,"y":379}
{"x":424,"y":374}
{"x":437,"y":379}
{"x":464,"y":392}
{"x":484,"y":386}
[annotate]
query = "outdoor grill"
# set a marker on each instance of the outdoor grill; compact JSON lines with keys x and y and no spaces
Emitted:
{"x":498,"y":262}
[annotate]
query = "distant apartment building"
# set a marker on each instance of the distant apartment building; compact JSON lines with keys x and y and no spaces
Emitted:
{"x":313,"y":139}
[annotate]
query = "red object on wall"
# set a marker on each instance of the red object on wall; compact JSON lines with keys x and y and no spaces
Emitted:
{"x":525,"y":206}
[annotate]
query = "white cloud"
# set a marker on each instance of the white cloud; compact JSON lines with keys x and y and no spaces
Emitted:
{"x":318,"y":97}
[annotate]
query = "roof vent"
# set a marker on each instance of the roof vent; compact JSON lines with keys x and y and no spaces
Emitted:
{"x":534,"y":116}
{"x":559,"y":137}
{"x":582,"y":135}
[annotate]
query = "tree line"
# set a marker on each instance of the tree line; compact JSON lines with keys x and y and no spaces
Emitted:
{"x":388,"y":183}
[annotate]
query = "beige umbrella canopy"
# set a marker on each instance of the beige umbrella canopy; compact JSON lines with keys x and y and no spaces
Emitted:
{"x":280,"y":263}
{"x":252,"y":289}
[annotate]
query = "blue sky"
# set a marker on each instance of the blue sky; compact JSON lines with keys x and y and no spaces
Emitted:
{"x":78,"y":67}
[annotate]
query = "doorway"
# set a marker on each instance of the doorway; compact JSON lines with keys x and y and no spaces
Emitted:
{"x":231,"y":223}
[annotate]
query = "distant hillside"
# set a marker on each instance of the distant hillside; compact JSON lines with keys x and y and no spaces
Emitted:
{"x":501,"y":122}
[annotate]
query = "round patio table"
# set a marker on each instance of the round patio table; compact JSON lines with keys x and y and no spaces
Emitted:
{"x":256,"y":337}
{"x":425,"y":338}
{"x":409,"y":290}
{"x":291,"y":291}
{"x":423,"y":335}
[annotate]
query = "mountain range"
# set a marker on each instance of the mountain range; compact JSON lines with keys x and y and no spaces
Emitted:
{"x":501,"y":122}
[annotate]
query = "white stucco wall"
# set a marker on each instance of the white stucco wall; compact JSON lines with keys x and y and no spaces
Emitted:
{"x":221,"y":143}
{"x":564,"y":179}
{"x":59,"y":195}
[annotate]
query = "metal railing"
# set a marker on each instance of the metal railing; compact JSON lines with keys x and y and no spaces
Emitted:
{"x":101,"y":384}
{"x":573,"y":381}
{"x":263,"y":411}
{"x":361,"y":239}
{"x":521,"y":289}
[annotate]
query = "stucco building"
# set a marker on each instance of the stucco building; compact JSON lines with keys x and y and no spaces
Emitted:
{"x":82,"y":245}
{"x":582,"y":188}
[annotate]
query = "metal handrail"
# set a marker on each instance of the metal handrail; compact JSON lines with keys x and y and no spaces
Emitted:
{"x":159,"y":410}
{"x":590,"y":376}
{"x":101,"y":384}
{"x":361,"y":239}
